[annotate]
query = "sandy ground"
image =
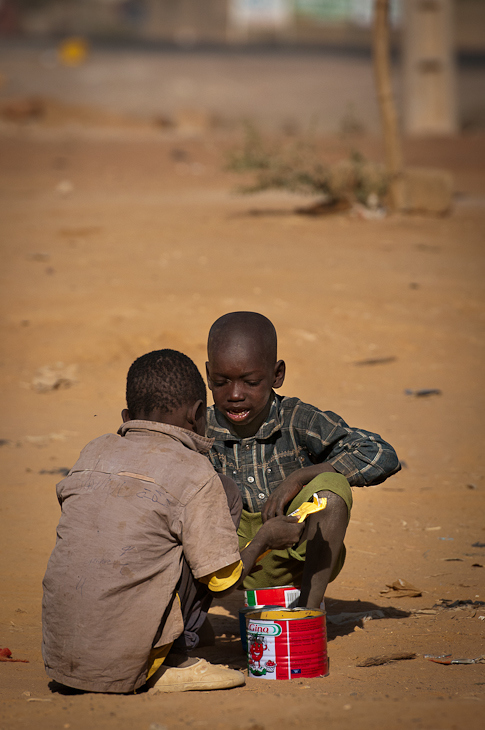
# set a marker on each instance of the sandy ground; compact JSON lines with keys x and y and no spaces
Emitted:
{"x":113,"y":245}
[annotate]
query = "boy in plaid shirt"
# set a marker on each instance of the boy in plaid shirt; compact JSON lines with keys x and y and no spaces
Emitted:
{"x":281,"y":451}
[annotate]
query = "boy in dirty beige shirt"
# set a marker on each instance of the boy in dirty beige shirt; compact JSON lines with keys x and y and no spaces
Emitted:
{"x":146,"y":537}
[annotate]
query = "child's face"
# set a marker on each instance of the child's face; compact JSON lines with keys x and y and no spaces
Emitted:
{"x":241,"y":380}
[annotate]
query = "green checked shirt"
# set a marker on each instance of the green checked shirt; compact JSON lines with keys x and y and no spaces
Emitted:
{"x":296,"y":435}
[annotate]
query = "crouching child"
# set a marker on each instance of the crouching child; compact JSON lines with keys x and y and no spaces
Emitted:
{"x":281,"y":452}
{"x":146,"y":537}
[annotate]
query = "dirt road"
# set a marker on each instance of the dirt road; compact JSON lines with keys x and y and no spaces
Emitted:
{"x":113,"y":247}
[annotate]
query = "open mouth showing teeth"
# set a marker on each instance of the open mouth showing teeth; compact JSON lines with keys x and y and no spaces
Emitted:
{"x":237,"y":415}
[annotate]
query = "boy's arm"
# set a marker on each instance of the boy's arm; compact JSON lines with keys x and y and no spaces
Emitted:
{"x":364,"y":458}
{"x":276,"y":534}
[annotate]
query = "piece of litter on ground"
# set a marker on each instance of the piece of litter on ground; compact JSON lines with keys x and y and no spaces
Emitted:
{"x":432,"y":528}
{"x":376,"y":361}
{"x":346,"y":617}
{"x":423,"y":392}
{"x":368,"y":214}
{"x":448,"y":604}
{"x":377,"y":661}
{"x":424,"y":612}
{"x":39,"y":256}
{"x":401,"y":588}
{"x":54,"y":378}
{"x":446,"y":538}
{"x":6,"y":654}
{"x":479,"y":544}
{"x":37,"y":699}
{"x":63,"y":470}
{"x":42,"y":441}
{"x":446,"y":659}
{"x":477,"y":565}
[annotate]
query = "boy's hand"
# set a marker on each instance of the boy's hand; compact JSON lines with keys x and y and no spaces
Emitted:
{"x":277,"y":534}
{"x":282,"y":495}
{"x":290,"y":487}
{"x":281,"y":532}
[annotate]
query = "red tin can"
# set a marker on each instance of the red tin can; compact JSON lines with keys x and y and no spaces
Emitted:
{"x":287,"y":643}
{"x":286,"y":596}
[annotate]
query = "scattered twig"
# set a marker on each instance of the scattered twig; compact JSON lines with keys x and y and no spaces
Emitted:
{"x":377,"y":661}
{"x":376,"y":361}
{"x":423,"y":393}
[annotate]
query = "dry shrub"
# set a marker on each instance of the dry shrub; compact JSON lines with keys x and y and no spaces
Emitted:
{"x":295,"y":166}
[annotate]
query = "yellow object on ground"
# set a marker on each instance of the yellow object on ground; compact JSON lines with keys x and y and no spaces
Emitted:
{"x":73,"y":51}
{"x":308,"y":508}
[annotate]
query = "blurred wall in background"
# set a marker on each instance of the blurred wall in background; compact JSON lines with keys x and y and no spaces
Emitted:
{"x":193,"y":22}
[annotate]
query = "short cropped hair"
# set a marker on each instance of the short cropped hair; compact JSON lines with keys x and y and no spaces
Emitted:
{"x":163,"y":380}
{"x":244,"y":326}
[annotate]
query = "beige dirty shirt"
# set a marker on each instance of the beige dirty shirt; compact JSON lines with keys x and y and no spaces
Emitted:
{"x":132,"y":505}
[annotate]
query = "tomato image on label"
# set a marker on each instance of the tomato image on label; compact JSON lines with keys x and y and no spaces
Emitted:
{"x":261,"y":655}
{"x":270,"y":665}
{"x":257,"y":650}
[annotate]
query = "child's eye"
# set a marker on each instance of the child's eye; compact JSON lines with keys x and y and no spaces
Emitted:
{"x":253,"y":383}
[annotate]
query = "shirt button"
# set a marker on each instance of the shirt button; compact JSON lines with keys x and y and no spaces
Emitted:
{"x":268,"y":470}
{"x":261,"y":495}
{"x":248,"y":446}
{"x":234,"y":472}
{"x":250,"y":480}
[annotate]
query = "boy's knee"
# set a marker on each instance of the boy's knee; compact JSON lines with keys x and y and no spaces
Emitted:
{"x":336,"y":506}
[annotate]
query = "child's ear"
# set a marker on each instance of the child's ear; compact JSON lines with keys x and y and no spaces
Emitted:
{"x":196,"y":416}
{"x":209,"y":384}
{"x":279,"y":374}
{"x":125,"y":415}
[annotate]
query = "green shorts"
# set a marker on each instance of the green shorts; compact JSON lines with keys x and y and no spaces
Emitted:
{"x":285,"y":567}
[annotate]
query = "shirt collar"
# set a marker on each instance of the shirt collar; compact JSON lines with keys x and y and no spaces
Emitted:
{"x":267,"y":429}
{"x":188,"y":438}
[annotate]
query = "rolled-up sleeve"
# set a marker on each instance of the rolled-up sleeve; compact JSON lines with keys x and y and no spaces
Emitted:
{"x":364,"y":458}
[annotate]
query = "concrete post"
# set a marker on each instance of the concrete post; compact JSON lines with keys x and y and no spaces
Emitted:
{"x":429,"y":68}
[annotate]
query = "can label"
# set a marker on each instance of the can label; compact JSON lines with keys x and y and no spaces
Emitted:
{"x":268,"y":629}
{"x":243,"y":627}
{"x":287,"y":648}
